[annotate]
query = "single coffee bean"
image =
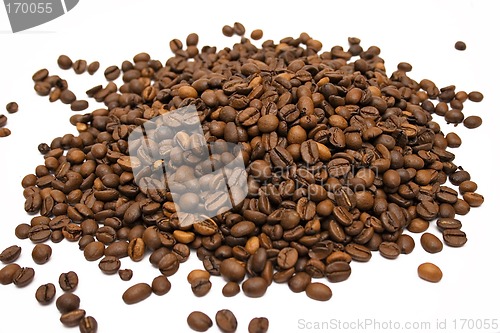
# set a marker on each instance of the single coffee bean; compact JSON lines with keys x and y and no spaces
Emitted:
{"x":287,"y":258}
{"x":67,"y":97}
{"x":473,"y":121}
{"x":418,"y":225}
{"x":448,"y":223}
{"x":199,"y":321}
{"x":467,"y":186}
{"x":8,"y":272}
{"x":93,"y":67}
{"x":239,"y":28}
{"x":258,"y":325}
{"x":109,"y":265}
{"x":431,"y":243}
{"x":318,"y":291}
{"x":68,"y":281}
{"x":64,"y":62}
{"x":232,"y":270}
{"x":80,"y":66}
{"x":338,"y":271}
{"x":454,"y":237}
{"x":40,"y":75}
{"x":4,"y":132}
{"x":10,"y":254}
{"x":227,"y":31}
{"x":125,"y":274}
{"x":430,"y":272}
{"x":406,"y":244}
{"x":197,"y":274}
{"x":88,"y":324}
{"x":473,"y":199}
{"x":453,"y":140}
{"x":94,"y":251}
{"x":475,"y":96}
{"x":460,"y":46}
{"x":169,"y":264}
{"x":112,"y":73}
{"x":137,"y":293}
{"x":45,"y":294}
{"x":41,"y":253}
{"x":256,"y":34}
{"x":67,"y":302}
{"x":230,"y":289}
{"x":201,"y":287}
{"x":3,"y":120}
{"x":79,"y":105}
{"x":299,"y":282}
{"x":72,"y":318}
{"x":12,"y":107}
{"x":160,"y":285}
{"x":358,"y":252}
{"x":226,"y":321}
{"x":23,"y":276}
{"x":255,"y":287}
{"x":389,"y":250}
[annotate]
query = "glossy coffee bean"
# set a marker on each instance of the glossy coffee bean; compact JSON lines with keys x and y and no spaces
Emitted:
{"x":430,"y":272}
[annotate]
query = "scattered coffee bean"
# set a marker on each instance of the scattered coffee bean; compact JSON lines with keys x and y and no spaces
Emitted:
{"x":227,"y":31}
{"x":68,"y":281}
{"x":318,"y":291}
{"x":23,"y":276}
{"x":67,"y":97}
{"x":8,"y":272}
{"x":80,"y":66}
{"x":112,"y":73}
{"x":137,"y":293}
{"x":41,"y":253}
{"x":12,"y":107}
{"x":46,"y":293}
{"x":79,"y":105}
{"x":406,"y":244}
{"x":3,"y":120}
{"x":67,"y":302}
{"x":258,"y":325}
{"x":72,"y":318}
{"x":460,"y":46}
{"x":473,"y":121}
{"x":4,"y":132}
{"x":430,"y":272}
{"x":88,"y":324}
{"x":109,"y":265}
{"x":40,"y":75}
{"x":10,"y":254}
{"x":199,"y":321}
{"x":473,"y":199}
{"x":454,"y":237}
{"x":239,"y":29}
{"x":226,"y":321}
{"x":255,"y":287}
{"x":160,"y":285}
{"x":431,"y":243}
{"x":200,"y":287}
{"x":125,"y":274}
{"x":93,"y":67}
{"x":231,"y":289}
{"x":256,"y":34}
{"x":475,"y":96}
{"x":64,"y":62}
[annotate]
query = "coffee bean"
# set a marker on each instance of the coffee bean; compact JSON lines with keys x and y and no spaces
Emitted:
{"x":67,"y":302}
{"x":318,"y":291}
{"x":460,"y":46}
{"x":160,"y":285}
{"x":23,"y":276}
{"x":226,"y":321}
{"x":64,"y":62}
{"x":3,"y":120}
{"x":93,"y":67}
{"x":475,"y":96}
{"x":430,"y":272}
{"x":418,"y":225}
{"x":8,"y":272}
{"x":72,"y":318}
{"x":239,"y":29}
{"x":231,"y":289}
{"x":40,"y":75}
{"x":125,"y":274}
{"x":227,"y":31}
{"x":80,"y":66}
{"x":258,"y":325}
{"x":256,"y":34}
{"x":338,"y":271}
{"x":454,"y":237}
{"x":389,"y":250}
{"x":358,"y":252}
{"x":199,"y":321}
{"x":431,"y":243}
{"x":45,"y":294}
{"x":12,"y":107}
{"x":94,"y":251}
{"x":254,"y":287}
{"x":88,"y":324}
{"x":453,"y":140}
{"x":473,"y":199}
{"x":68,"y":281}
{"x":109,"y":265}
{"x":406,"y":244}
{"x":299,"y":282}
{"x":112,"y":73}
{"x":287,"y":257}
{"x":79,"y":105}
{"x":41,"y":253}
{"x":137,"y":293}
{"x":4,"y":132}
{"x":10,"y":254}
{"x":200,"y":287}
{"x":67,"y":97}
{"x":473,"y":121}
{"x":232,"y":270}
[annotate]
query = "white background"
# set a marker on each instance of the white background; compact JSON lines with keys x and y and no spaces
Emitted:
{"x":422,"y":33}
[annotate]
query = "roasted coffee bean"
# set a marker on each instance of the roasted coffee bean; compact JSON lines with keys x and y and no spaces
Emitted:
{"x":227,"y":31}
{"x":72,"y":318}
{"x":67,"y":302}
{"x":64,"y":62}
{"x":40,"y":75}
{"x":454,"y":237}
{"x":88,"y":324}
{"x":406,"y":244}
{"x":137,"y":293}
{"x":79,"y":105}
{"x":256,"y":34}
{"x":10,"y":254}
{"x":448,"y":223}
{"x":68,"y":281}
{"x":473,"y":121}
{"x":473,"y":199}
{"x":93,"y":67}
{"x":8,"y":272}
{"x":431,"y":243}
{"x":338,"y":271}
{"x":160,"y":285}
{"x":109,"y":264}
{"x":67,"y":97}
{"x":358,"y":252}
{"x":3,"y":122}
{"x":287,"y":257}
{"x":199,"y":321}
{"x":46,"y":293}
{"x":125,"y":274}
{"x":169,"y":264}
{"x":299,"y":282}
{"x":80,"y":66}
{"x":41,"y":253}
{"x":460,"y":46}
{"x":94,"y":251}
{"x":430,"y":272}
{"x":200,"y":287}
{"x":112,"y":73}
{"x":232,"y":270}
{"x":226,"y":321}
{"x":12,"y":107}
{"x":4,"y":132}
{"x":258,"y":325}
{"x":389,"y":250}
{"x":239,"y":29}
{"x":475,"y":96}
{"x":318,"y":291}
{"x":23,"y":276}
{"x":254,"y":287}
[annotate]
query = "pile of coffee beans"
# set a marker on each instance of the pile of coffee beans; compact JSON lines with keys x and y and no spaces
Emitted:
{"x":342,"y":158}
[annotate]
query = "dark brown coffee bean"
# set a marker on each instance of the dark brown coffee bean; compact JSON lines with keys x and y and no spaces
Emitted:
{"x":137,"y":293}
{"x":258,"y":325}
{"x":67,"y":97}
{"x":12,"y":107}
{"x":125,"y":274}
{"x":67,"y":302}
{"x":79,"y":105}
{"x":475,"y":96}
{"x":160,"y":285}
{"x":93,"y":67}
{"x":169,"y":264}
{"x":454,"y":237}
{"x":453,"y":140}
{"x":338,"y":271}
{"x":72,"y":318}
{"x":8,"y":272}
{"x":94,"y":251}
{"x":299,"y":282}
{"x":41,"y":253}
{"x":239,"y":28}
{"x":232,"y":270}
{"x":318,"y":291}
{"x":431,"y":243}
{"x":200,"y":287}
{"x":46,"y":293}
{"x":460,"y":46}
{"x":227,"y":31}
{"x":389,"y":250}
{"x":406,"y":244}
{"x":40,"y":75}
{"x":255,"y":287}
{"x":64,"y":62}
{"x":10,"y":254}
{"x":226,"y":321}
{"x":430,"y":272}
{"x":199,"y":321}
{"x":231,"y":289}
{"x":68,"y":281}
{"x":109,"y":265}
{"x":88,"y":325}
{"x":256,"y":34}
{"x":23,"y":276}
{"x":473,"y":121}
{"x":80,"y":66}
{"x":4,"y":132}
{"x":3,"y":122}
{"x":309,"y":152}
{"x":112,"y":73}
